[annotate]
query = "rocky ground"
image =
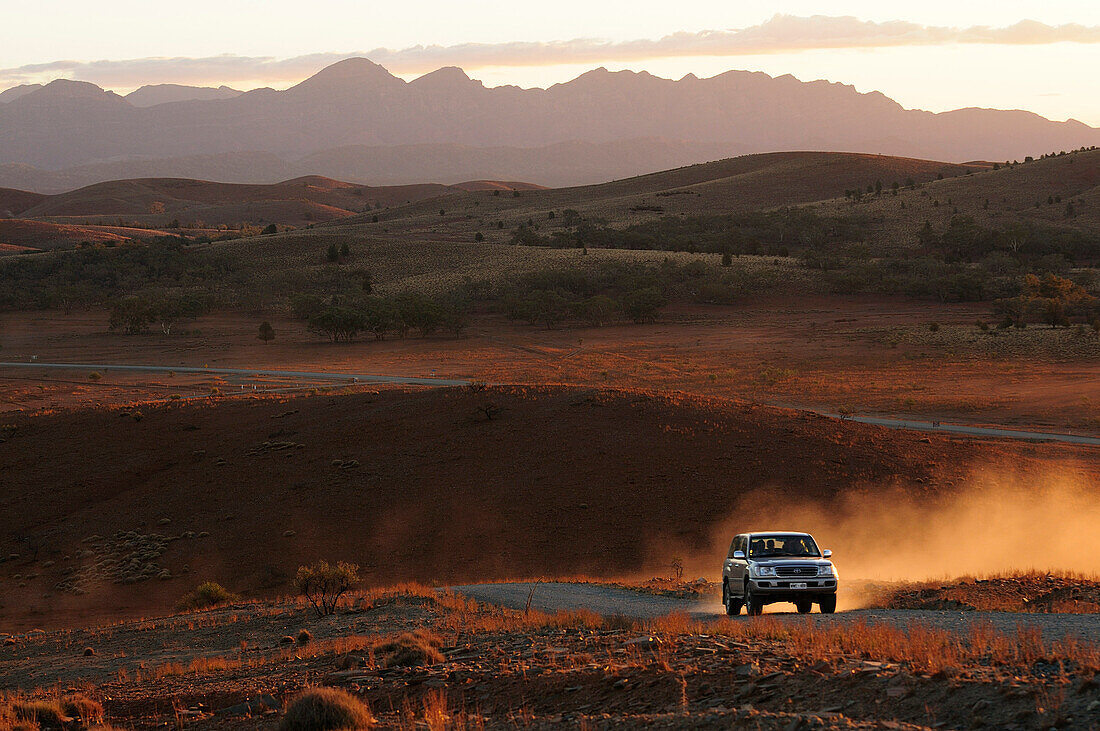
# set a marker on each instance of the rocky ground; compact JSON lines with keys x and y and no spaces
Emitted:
{"x":1036,"y":592}
{"x":422,"y":658}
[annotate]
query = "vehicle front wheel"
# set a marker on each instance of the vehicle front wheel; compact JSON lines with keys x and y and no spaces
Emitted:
{"x":804,"y":607}
{"x":753,"y":605}
{"x":828,"y":604}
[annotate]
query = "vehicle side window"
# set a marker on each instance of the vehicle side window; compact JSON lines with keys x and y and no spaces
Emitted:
{"x":739,"y":544}
{"x":733,"y":547}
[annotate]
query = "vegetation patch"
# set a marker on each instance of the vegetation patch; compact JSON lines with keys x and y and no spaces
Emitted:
{"x":326,"y":709}
{"x":207,"y":594}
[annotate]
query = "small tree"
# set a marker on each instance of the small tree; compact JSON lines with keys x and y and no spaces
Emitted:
{"x":267,"y":333}
{"x":643,"y":305}
{"x":270,"y":229}
{"x":596,"y":310}
{"x":341,"y":324}
{"x":132,"y":313}
{"x":322,"y":584}
{"x":333,"y":253}
{"x":345,"y":250}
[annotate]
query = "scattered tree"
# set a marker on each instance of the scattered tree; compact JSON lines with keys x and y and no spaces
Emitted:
{"x":643,"y":305}
{"x":323,"y":584}
{"x":267,"y":333}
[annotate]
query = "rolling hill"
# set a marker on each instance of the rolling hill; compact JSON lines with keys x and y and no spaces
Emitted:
{"x":746,"y":183}
{"x":364,"y":485}
{"x":21,"y":236}
{"x":14,"y":202}
{"x":350,"y":113}
{"x":928,"y":190}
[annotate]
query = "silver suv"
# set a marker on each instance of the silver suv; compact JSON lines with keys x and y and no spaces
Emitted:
{"x":777,"y":566}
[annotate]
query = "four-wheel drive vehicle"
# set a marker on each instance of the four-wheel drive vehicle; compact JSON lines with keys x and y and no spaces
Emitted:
{"x":777,"y":566}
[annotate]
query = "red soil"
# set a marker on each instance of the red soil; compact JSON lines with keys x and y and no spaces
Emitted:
{"x":419,"y":485}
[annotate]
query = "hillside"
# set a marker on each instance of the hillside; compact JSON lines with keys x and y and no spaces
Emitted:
{"x":359,"y":107}
{"x":293,"y":202}
{"x":994,"y":197}
{"x":22,"y":235}
{"x":739,"y":184}
{"x":254,"y":488}
{"x":14,"y":202}
{"x":1059,"y":191}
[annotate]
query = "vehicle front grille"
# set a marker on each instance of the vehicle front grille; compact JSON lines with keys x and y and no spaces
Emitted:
{"x":796,"y":570}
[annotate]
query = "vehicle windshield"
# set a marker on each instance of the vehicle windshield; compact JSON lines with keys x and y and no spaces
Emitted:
{"x":779,"y":545}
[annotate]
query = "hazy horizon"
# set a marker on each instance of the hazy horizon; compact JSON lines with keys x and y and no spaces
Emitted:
{"x":938,"y":57}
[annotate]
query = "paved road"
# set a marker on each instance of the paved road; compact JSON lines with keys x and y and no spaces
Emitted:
{"x":311,"y":375}
{"x":609,"y":600}
{"x":981,"y":431}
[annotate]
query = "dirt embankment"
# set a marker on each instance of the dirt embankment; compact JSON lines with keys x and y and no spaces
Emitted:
{"x":119,"y":511}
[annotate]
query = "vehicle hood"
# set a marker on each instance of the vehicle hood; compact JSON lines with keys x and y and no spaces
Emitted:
{"x":787,"y":561}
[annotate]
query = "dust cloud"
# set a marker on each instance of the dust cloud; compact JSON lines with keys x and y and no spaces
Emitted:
{"x":996,"y":522}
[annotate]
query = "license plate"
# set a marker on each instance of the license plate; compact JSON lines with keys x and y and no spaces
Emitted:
{"x":799,"y":586}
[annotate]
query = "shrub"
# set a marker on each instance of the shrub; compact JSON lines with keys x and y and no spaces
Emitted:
{"x":207,"y":594}
{"x":643,"y":305}
{"x":305,"y":637}
{"x":322,"y":584}
{"x":934,"y":327}
{"x":596,"y":310}
{"x":326,"y":709}
{"x":267,"y":333}
{"x":409,"y":650}
{"x":89,"y":711}
{"x":46,"y":713}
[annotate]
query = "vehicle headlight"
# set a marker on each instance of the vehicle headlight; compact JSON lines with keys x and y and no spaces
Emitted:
{"x":763,"y":570}
{"x":829,"y":570}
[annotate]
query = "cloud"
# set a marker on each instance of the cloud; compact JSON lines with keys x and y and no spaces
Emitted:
{"x":780,"y":34}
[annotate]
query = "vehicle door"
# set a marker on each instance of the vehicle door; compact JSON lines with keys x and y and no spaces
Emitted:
{"x":737,"y":562}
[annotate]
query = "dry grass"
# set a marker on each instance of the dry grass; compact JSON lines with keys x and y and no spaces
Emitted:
{"x":32,"y":712}
{"x":409,"y":650}
{"x":1021,"y":591}
{"x":326,"y":709}
{"x":924,"y":649}
{"x":435,"y":713}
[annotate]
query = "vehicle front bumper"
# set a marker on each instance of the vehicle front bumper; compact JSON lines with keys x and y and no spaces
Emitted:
{"x":776,"y":588}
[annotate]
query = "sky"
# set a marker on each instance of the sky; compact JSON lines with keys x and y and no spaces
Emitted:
{"x":935,"y":55}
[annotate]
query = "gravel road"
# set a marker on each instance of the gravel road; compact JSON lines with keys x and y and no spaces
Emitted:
{"x":609,"y":600}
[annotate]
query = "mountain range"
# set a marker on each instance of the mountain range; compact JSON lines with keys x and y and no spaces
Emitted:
{"x":356,"y":121}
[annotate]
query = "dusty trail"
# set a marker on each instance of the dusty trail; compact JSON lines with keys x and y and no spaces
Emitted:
{"x":609,"y":600}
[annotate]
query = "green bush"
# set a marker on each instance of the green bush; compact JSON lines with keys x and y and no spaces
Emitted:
{"x":207,"y":594}
{"x":643,"y":305}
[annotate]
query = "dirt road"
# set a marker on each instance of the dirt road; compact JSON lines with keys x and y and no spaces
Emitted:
{"x":247,"y":372}
{"x":608,"y":600}
{"x":313,"y":377}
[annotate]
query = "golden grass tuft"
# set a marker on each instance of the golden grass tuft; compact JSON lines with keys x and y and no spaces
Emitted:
{"x":326,"y":709}
{"x":409,"y":650}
